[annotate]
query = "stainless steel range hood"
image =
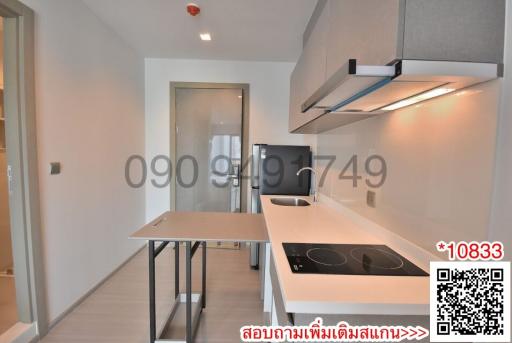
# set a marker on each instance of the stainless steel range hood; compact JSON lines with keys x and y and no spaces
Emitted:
{"x":357,"y":92}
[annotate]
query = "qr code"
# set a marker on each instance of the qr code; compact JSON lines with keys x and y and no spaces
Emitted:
{"x":470,"y":301}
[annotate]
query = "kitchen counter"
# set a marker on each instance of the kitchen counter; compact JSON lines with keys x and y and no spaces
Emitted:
{"x":337,"y":294}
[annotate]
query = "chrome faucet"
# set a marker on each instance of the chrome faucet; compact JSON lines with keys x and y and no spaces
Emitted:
{"x":315,"y":196}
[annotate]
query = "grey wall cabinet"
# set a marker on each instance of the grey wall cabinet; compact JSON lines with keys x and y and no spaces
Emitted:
{"x":309,"y":73}
{"x":366,"y":30}
{"x":454,"y":30}
{"x":378,"y":32}
{"x":297,"y":96}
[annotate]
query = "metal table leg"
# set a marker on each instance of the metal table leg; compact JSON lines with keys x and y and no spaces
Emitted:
{"x":203,"y":293}
{"x":176,"y":269}
{"x":152,"y":311}
{"x":191,"y":323}
{"x":188,"y":272}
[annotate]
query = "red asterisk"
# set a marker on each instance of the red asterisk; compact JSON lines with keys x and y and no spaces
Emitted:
{"x":441,"y":246}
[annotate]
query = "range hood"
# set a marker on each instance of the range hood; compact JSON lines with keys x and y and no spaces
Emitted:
{"x":357,"y":92}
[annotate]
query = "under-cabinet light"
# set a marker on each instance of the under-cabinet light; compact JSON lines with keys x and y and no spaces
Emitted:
{"x":417,"y":98}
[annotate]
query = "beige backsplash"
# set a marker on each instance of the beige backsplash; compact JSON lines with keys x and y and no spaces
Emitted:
{"x":440,"y":157}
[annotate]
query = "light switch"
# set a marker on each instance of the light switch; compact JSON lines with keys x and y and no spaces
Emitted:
{"x":54,"y":168}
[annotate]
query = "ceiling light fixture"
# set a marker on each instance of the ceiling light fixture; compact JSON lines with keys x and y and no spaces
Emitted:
{"x":205,"y":36}
{"x":417,"y":98}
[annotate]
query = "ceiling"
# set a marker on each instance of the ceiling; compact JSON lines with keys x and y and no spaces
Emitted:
{"x":258,"y":30}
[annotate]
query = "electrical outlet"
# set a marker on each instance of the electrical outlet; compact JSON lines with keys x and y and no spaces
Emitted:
{"x":370,"y":198}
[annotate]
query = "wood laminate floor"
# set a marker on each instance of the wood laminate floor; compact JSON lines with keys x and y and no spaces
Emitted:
{"x":118,"y":310}
{"x":8,"y":311}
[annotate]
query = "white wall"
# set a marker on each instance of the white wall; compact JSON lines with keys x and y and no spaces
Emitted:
{"x":502,"y":200}
{"x":440,"y":163}
{"x":90,"y":117}
{"x":269,"y":97}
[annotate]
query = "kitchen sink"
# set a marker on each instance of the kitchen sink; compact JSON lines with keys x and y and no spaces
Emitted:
{"x":289,"y":202}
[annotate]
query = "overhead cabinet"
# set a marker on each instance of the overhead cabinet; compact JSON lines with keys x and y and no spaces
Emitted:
{"x":309,"y":74}
{"x":362,"y":58}
{"x":367,"y":31}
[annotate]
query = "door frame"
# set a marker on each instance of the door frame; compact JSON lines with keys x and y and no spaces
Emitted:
{"x":21,"y":143}
{"x":245,"y":149}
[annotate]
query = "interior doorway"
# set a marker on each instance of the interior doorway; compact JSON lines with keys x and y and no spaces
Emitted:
{"x":8,"y":308}
{"x":19,"y":188}
{"x":209,"y":147}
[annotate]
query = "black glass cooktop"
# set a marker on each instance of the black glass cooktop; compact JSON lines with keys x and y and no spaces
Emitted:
{"x":349,"y":259}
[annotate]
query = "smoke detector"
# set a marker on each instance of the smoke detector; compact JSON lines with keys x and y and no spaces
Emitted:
{"x":193,"y":9}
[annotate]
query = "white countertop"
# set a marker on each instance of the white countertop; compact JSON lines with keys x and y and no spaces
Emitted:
{"x":337,"y":294}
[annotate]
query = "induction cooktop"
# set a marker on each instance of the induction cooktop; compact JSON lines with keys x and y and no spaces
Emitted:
{"x":348,"y":259}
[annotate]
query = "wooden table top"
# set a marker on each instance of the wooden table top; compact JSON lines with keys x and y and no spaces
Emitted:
{"x":205,"y":226}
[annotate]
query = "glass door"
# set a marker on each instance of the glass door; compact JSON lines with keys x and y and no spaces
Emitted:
{"x":208,"y":149}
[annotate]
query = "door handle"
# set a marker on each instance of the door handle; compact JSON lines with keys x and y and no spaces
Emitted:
{"x":9,"y":179}
{"x":235,"y":176}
